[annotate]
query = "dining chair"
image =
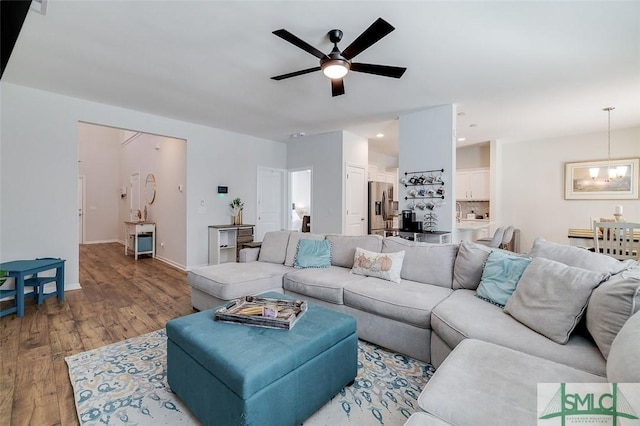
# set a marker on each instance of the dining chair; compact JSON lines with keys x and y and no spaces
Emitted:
{"x":620,"y":240}
{"x":506,"y":237}
{"x":306,"y":223}
{"x":494,"y":241}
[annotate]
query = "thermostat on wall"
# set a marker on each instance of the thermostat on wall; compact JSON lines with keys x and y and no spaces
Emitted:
{"x":223,"y":189}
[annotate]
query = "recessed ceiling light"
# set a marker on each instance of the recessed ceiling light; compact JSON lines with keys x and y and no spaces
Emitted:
{"x":379,"y":135}
{"x":462,"y":139}
{"x":297,"y":135}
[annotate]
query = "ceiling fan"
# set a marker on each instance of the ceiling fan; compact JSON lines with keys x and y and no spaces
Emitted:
{"x":337,"y":64}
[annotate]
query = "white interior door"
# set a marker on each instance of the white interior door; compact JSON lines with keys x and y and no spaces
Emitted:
{"x":271,"y":201}
{"x":80,"y":209}
{"x":356,"y":200}
{"x":134,"y":196}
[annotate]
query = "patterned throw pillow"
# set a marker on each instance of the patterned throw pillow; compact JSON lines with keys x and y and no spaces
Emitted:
{"x":313,"y":254}
{"x":380,"y":265}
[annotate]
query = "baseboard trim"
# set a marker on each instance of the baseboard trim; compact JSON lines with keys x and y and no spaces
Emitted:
{"x":101,"y":242}
{"x":171,"y":263}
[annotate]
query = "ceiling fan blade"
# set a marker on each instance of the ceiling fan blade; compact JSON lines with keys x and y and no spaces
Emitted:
{"x":295,"y":73}
{"x":371,"y":35}
{"x":286,"y":35}
{"x":337,"y":87}
{"x":383,"y":70}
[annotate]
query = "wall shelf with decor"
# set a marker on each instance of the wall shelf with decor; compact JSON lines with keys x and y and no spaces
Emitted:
{"x":418,"y":178}
{"x":420,"y":199}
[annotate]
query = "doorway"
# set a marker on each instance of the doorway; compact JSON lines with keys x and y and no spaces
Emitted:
{"x":134,"y":196}
{"x":116,"y":164}
{"x":271,"y":201}
{"x":80,"y":209}
{"x":300,"y":198}
{"x":356,"y":200}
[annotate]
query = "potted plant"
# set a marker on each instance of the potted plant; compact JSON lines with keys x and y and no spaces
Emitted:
{"x":236,"y":207}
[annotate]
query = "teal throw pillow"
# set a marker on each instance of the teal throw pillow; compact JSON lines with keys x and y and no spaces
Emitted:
{"x":313,"y":254}
{"x":501,"y":274}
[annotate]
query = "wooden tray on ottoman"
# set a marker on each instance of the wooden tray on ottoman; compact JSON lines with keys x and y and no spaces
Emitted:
{"x":262,"y":312}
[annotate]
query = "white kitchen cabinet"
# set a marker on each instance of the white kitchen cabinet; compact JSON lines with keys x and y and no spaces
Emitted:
{"x":472,"y":184}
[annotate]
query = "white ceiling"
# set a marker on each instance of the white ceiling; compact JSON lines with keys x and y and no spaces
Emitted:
{"x":518,"y":70}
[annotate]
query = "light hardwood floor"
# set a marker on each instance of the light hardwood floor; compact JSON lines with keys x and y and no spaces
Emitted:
{"x":120,"y":298}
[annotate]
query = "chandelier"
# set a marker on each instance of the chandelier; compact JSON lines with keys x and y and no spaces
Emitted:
{"x":612,"y":172}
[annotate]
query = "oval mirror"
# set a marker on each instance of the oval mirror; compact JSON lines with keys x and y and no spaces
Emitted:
{"x":150,"y":188}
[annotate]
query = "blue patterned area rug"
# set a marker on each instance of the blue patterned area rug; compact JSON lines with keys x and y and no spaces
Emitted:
{"x":126,"y":384}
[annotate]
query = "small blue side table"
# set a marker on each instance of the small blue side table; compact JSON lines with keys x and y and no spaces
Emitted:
{"x":20,"y":269}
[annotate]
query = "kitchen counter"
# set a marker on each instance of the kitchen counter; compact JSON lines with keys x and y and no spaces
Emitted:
{"x":472,"y":229}
{"x":473,"y":224}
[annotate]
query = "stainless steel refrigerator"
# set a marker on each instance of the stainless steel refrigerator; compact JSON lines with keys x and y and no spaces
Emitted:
{"x":381,"y":207}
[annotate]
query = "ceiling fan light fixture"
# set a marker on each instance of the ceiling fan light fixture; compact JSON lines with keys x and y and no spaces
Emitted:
{"x":335,"y":68}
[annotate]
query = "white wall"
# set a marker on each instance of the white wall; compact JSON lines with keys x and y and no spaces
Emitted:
{"x":473,"y":156}
{"x":427,"y":142}
{"x":327,"y":154}
{"x":531,"y":184}
{"x":383,"y":161}
{"x":324,"y":154}
{"x":38,"y":204}
{"x":100,"y":165}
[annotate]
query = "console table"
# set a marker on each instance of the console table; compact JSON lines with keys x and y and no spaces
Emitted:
{"x":141,"y":236}
{"x":225,"y":242}
{"x":20,"y":269}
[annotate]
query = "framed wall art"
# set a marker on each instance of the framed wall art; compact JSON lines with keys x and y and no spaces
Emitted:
{"x":602,"y":180}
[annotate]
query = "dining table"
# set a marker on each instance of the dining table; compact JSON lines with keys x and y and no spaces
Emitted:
{"x":579,"y":237}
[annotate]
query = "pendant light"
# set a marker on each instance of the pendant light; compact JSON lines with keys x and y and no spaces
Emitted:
{"x":612,"y":172}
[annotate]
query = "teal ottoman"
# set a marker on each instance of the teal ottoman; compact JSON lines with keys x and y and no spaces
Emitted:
{"x":234,"y":374}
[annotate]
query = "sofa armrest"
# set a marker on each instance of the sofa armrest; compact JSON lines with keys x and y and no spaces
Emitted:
{"x":249,"y":254}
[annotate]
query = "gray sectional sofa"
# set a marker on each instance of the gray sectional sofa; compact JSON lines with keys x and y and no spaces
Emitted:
{"x":433,"y":313}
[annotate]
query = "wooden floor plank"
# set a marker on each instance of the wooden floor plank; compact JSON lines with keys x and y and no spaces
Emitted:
{"x":120,"y":298}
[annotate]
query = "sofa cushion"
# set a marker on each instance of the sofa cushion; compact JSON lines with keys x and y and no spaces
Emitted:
{"x":469,"y":264}
{"x":322,"y":284}
{"x":292,"y":247}
{"x":408,"y":301}
{"x":274,"y":247}
{"x":313,"y":254}
{"x":500,"y":275}
{"x":344,"y":247}
{"x":611,"y":305}
{"x":483,"y":384}
{"x":551,"y":297}
{"x":578,"y":257}
{"x":375,"y":264}
{"x":233,"y":280}
{"x":424,"y":262}
{"x":623,"y":365}
{"x":462,"y":315}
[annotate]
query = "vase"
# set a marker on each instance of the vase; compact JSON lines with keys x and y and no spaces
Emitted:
{"x":237,"y":219}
